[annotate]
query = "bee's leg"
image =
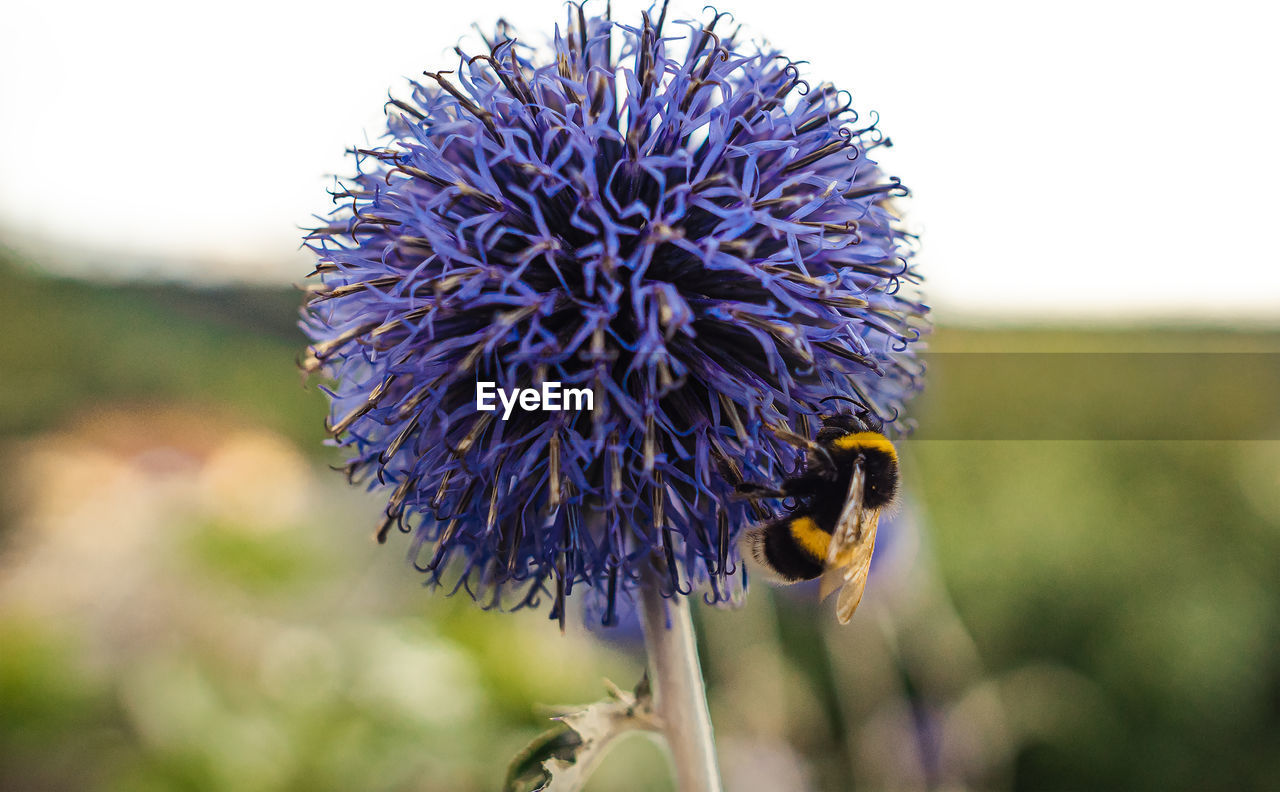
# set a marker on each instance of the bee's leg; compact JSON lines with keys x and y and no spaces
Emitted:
{"x":796,"y":486}
{"x":831,"y":463}
{"x":759,"y":491}
{"x":808,"y":483}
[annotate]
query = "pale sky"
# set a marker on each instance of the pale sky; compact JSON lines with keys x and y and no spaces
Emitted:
{"x":1088,"y":160}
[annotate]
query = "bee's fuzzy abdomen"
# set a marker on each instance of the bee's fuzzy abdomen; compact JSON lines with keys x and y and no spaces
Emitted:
{"x":774,"y":547}
{"x":880,"y":463}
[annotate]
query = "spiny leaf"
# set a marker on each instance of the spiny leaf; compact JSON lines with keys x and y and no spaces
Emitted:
{"x":562,"y":758}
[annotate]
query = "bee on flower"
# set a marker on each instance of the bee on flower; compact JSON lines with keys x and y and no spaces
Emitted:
{"x":661,"y":214}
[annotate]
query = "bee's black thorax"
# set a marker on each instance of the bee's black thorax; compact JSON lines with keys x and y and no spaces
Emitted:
{"x":879,"y":460}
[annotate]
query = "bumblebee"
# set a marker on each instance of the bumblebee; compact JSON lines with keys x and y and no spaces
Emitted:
{"x":849,"y":478}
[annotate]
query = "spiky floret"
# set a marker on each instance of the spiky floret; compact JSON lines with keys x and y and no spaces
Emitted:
{"x":678,"y":222}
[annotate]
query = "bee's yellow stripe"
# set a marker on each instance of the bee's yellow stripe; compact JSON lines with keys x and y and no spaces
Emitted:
{"x":810,"y":538}
{"x":871,"y":441}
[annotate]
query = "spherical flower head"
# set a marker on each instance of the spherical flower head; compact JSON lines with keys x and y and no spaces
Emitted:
{"x":656,"y":212}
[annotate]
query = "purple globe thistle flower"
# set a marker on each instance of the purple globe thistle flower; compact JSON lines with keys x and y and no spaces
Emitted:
{"x":670,"y":218}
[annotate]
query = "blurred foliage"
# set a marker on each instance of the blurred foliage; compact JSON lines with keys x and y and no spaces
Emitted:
{"x":68,"y":344}
{"x":1119,"y":602}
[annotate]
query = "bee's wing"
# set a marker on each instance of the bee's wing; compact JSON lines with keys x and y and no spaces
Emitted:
{"x":849,"y":554}
{"x":856,"y":573}
{"x":845,"y":535}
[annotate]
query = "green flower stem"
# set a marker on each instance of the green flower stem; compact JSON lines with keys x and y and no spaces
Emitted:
{"x":680,"y":698}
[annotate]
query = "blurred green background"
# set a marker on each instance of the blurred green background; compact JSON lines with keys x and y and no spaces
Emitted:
{"x":191,"y":600}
